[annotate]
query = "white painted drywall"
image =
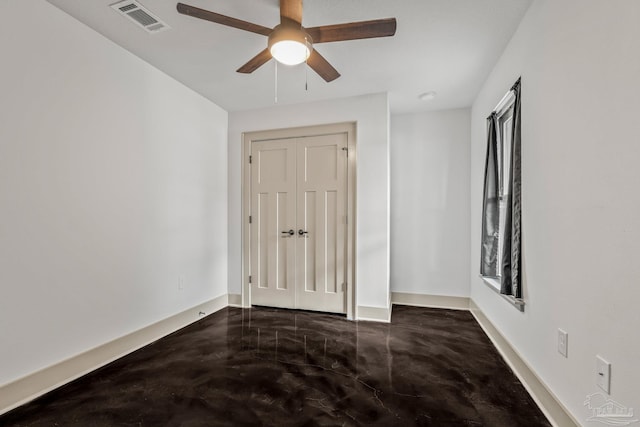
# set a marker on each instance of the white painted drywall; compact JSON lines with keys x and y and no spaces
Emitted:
{"x":112,"y":185}
{"x":371,"y":112}
{"x":430,"y":202}
{"x":579,"y":63}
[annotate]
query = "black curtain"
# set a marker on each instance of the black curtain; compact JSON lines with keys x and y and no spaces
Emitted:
{"x":490,"y":204}
{"x":511,"y":260}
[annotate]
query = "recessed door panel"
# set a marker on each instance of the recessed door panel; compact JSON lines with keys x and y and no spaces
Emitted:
{"x":262,"y":224}
{"x":283,"y":243}
{"x":272,"y":165}
{"x":309,"y":242}
{"x":321,"y":163}
{"x":331,"y":244}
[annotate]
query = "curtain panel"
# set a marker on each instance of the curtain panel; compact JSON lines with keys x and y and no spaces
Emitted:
{"x":511,"y":259}
{"x":490,"y":204}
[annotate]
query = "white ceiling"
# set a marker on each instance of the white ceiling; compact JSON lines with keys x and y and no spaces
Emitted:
{"x":446,"y":46}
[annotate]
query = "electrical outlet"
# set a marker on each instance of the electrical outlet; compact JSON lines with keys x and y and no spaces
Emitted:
{"x":563,"y":342}
{"x":603,"y":374}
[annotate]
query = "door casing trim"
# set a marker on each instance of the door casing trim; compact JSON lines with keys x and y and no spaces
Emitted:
{"x":300,"y":132}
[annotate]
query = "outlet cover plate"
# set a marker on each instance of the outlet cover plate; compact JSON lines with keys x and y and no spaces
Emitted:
{"x":563,"y":342}
{"x":603,"y":374}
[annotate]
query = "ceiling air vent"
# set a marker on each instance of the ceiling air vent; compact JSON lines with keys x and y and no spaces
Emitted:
{"x":140,"y":15}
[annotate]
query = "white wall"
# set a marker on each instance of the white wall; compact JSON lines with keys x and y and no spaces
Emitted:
{"x":371,"y":112}
{"x":581,"y":204}
{"x":112,"y":185}
{"x":430,"y":202}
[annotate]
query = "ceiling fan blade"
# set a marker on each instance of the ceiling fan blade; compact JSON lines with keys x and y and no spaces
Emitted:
{"x":322,"y":66}
{"x":207,"y":15}
{"x":255,"y":62}
{"x":291,"y":10}
{"x":353,"y":30}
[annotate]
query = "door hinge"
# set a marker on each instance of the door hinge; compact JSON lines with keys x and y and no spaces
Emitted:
{"x":250,"y":159}
{"x":249,"y":279}
{"x":344,"y":288}
{"x":250,"y":219}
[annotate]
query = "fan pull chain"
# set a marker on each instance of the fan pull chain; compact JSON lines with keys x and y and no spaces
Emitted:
{"x":276,"y":83}
{"x":306,"y":68}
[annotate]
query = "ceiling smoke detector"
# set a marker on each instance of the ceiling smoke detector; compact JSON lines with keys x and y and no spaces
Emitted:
{"x":427,"y":96}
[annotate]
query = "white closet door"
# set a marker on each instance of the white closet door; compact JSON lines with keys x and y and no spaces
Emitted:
{"x":321,"y":217}
{"x":273,"y":206}
{"x":298,"y":230}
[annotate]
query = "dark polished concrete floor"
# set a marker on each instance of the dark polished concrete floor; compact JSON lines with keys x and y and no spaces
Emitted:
{"x":270,"y":367}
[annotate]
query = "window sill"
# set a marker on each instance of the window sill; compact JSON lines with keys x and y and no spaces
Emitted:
{"x":494,"y":285}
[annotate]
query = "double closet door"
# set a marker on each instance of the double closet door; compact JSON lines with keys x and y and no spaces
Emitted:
{"x":298,"y":229}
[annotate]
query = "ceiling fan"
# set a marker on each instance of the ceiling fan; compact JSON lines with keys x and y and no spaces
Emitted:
{"x":290,"y":43}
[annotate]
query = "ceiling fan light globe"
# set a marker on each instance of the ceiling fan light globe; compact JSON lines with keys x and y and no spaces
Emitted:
{"x":289,"y":44}
{"x":290,"y":52}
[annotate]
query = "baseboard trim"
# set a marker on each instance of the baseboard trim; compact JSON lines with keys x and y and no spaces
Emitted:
{"x":235,"y":300}
{"x":373,"y":314}
{"x":434,"y":301}
{"x":25,"y":389}
{"x":549,"y":404}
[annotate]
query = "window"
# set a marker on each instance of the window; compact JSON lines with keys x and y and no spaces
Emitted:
{"x":504,"y":131}
{"x":501,"y":210}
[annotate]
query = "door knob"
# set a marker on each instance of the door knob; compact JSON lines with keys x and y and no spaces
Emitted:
{"x":301,"y":232}
{"x":290,"y":233}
